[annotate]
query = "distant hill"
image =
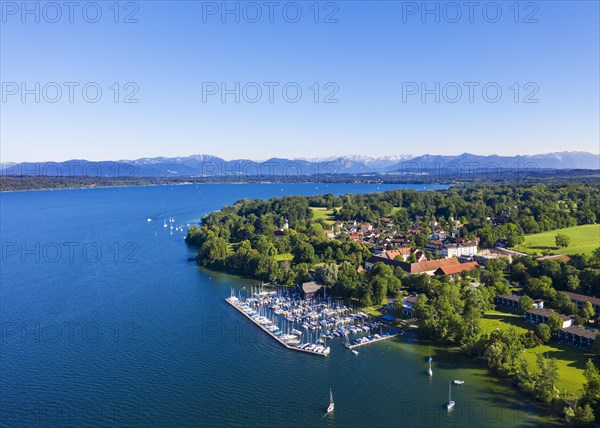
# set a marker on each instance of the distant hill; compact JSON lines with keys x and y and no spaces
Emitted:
{"x":211,"y":166}
{"x":558,"y":160}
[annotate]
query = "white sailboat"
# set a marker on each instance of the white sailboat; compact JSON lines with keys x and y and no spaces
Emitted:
{"x":451,"y":403}
{"x":331,"y":404}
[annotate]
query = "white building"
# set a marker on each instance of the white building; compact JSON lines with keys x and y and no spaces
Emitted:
{"x":457,"y":250}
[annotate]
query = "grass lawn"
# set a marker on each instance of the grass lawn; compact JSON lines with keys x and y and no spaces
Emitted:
{"x":492,"y":320}
{"x":584,"y":239}
{"x":282,"y":257}
{"x":323,"y":213}
{"x":375,"y":311}
{"x":570,"y":360}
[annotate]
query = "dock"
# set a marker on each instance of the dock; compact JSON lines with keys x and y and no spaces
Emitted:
{"x":270,"y":333}
{"x":372,"y":341}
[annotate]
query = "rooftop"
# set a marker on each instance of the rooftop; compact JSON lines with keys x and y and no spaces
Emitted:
{"x":583,"y":298}
{"x":580,"y":331}
{"x":311,"y":287}
{"x":456,"y":268}
{"x":513,"y":297}
{"x":547,"y":313}
{"x":411,"y":299}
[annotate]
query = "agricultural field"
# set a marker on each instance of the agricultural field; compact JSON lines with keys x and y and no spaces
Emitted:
{"x":584,"y":239}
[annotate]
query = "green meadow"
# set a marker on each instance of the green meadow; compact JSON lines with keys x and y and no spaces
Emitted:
{"x":584,"y":240}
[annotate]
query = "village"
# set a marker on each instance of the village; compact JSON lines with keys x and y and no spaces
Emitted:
{"x":447,"y":254}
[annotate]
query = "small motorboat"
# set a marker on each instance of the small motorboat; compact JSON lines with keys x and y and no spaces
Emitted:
{"x":458,"y":382}
{"x":355,"y":352}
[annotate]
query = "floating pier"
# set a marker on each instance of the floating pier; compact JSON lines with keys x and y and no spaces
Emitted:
{"x":368,"y":342}
{"x":234,"y":302}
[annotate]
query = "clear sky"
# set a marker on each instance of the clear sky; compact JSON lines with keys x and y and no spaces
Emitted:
{"x":374,"y":57}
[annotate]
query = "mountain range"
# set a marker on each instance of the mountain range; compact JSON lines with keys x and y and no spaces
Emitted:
{"x":209,"y":166}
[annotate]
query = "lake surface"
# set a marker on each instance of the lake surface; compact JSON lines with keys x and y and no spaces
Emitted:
{"x":105,"y":322}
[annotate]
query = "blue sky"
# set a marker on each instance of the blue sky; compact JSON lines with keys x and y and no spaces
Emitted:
{"x":370,"y":61}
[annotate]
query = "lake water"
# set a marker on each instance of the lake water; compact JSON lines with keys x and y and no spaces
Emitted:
{"x":105,"y":322}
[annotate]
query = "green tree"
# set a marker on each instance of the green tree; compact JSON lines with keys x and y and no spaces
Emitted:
{"x":555,"y":323}
{"x":563,"y":304}
{"x":596,"y":345}
{"x":347,"y":281}
{"x":587,"y":312}
{"x":301,"y":274}
{"x":379,"y":287}
{"x":503,"y":351}
{"x":547,"y":378}
{"x":303,"y":253}
{"x":328,"y":273}
{"x":562,"y":240}
{"x":580,"y":416}
{"x":213,"y":251}
{"x":366,"y":297}
{"x":543,"y":332}
{"x":591,"y":389}
{"x":525,"y":304}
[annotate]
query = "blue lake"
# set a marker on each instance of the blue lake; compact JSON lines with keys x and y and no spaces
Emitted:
{"x":105,"y":322}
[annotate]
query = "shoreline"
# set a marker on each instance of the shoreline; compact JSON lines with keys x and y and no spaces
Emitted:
{"x":443,"y":186}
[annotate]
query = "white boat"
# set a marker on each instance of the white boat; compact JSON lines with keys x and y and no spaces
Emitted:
{"x":331,"y":404}
{"x":429,"y":371}
{"x":355,"y":352}
{"x":164,"y":223}
{"x":458,"y":382}
{"x":450,"y":403}
{"x":149,"y":219}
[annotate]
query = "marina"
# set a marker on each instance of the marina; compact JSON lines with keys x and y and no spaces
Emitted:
{"x":307,"y":324}
{"x":233,"y":301}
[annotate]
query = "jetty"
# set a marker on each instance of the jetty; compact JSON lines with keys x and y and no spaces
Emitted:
{"x":366,"y":341}
{"x":310,"y":349}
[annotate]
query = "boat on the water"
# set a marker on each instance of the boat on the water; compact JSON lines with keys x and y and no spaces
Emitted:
{"x":429,"y":371}
{"x":331,"y":404}
{"x":450,"y":403}
{"x":355,"y":352}
{"x":458,"y":382}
